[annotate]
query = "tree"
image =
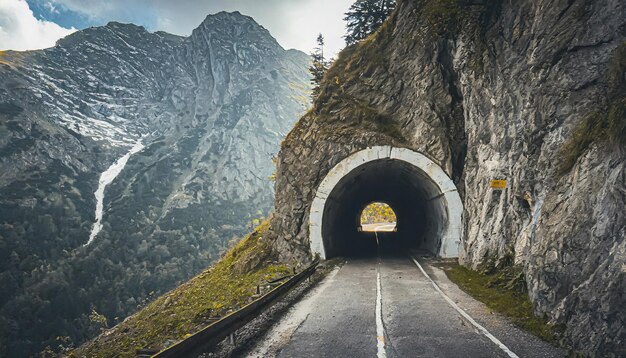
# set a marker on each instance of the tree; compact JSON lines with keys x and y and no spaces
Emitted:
{"x":318,"y":67}
{"x":365,"y":17}
{"x":99,"y":321}
{"x":376,"y":213}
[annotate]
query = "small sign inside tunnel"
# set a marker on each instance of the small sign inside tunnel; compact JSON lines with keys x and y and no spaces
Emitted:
{"x":498,"y":184}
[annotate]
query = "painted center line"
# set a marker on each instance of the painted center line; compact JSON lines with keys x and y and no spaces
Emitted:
{"x":380,"y":330}
{"x":469,"y":318}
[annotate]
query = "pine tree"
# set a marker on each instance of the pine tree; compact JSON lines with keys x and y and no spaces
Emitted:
{"x":318,"y":67}
{"x":365,"y":17}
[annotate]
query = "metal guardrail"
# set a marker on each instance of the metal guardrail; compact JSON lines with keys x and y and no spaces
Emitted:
{"x":216,"y":332}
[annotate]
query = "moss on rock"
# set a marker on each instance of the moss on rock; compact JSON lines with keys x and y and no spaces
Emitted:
{"x":607,"y":126}
{"x":442,"y":16}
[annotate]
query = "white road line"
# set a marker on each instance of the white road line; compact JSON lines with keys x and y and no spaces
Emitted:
{"x":482,"y":329}
{"x":380,"y":331}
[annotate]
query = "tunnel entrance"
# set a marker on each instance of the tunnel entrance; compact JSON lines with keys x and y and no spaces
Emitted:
{"x":424,"y":199}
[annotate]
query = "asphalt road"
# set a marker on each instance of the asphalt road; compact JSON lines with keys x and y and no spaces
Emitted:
{"x":390,"y":308}
{"x":380,"y":227}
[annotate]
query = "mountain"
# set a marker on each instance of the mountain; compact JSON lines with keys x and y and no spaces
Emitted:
{"x":129,"y":160}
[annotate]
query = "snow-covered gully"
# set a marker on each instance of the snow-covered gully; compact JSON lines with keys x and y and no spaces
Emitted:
{"x":107,"y":178}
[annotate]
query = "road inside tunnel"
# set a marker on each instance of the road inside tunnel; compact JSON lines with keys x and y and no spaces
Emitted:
{"x":424,"y":199}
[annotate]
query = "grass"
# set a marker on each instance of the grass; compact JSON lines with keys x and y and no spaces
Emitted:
{"x":600,"y":126}
{"x":442,"y":16}
{"x":226,"y":286}
{"x":349,"y":114}
{"x":359,"y":61}
{"x":359,"y":65}
{"x":12,"y":60}
{"x":503,"y":291}
{"x":354,"y":66}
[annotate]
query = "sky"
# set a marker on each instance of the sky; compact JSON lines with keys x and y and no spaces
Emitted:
{"x":36,"y":24}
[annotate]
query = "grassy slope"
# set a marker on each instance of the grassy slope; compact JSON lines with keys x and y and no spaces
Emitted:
{"x":504,"y":292}
{"x":227,"y":285}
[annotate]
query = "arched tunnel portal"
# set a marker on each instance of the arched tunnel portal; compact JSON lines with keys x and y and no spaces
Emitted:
{"x":423,"y":197}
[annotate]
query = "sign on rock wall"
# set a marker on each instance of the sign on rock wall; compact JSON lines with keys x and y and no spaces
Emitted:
{"x":498,"y":184}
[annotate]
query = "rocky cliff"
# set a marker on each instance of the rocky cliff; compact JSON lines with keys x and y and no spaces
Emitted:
{"x":527,"y":91}
{"x":205,"y":115}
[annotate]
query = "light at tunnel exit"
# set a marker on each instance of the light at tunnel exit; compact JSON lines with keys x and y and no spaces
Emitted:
{"x":378,"y":217}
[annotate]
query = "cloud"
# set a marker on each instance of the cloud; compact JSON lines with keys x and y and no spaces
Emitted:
{"x":20,"y":30}
{"x":295,"y":24}
{"x":51,"y":7}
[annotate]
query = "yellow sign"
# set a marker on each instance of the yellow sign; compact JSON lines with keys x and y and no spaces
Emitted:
{"x":498,"y":184}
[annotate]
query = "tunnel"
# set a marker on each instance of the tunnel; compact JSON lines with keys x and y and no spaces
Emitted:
{"x":424,"y":199}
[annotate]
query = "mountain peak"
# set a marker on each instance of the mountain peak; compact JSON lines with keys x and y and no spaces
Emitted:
{"x":234,"y":27}
{"x":228,"y":21}
{"x":227,"y":15}
{"x":115,"y":25}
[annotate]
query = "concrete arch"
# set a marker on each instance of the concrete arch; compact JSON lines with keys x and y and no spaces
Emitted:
{"x":435,"y":196}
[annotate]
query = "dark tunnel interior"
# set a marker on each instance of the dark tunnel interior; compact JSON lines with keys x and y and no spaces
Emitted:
{"x":416,"y":200}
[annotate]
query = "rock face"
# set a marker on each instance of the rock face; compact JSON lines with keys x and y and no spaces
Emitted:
{"x":210,"y":111}
{"x":527,"y":91}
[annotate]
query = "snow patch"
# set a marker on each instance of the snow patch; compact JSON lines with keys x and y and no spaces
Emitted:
{"x":107,"y":178}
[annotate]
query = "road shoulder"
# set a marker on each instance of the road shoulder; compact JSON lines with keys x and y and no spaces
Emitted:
{"x":523,"y":343}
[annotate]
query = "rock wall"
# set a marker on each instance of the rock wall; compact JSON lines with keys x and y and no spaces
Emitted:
{"x":527,"y":91}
